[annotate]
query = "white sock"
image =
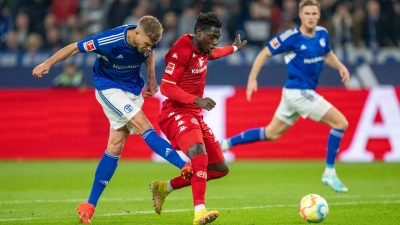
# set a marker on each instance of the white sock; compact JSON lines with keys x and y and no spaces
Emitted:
{"x":198,"y":208}
{"x":169,"y":187}
{"x":330,"y":171}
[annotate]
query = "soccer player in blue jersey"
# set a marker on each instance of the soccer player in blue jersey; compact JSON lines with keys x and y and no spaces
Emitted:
{"x":306,"y":48}
{"x":121,"y":52}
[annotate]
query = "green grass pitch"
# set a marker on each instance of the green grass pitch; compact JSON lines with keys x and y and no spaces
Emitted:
{"x":255,"y":192}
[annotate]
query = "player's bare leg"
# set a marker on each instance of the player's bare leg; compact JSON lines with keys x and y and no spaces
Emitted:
{"x":104,"y":172}
{"x":272,"y":132}
{"x":335,"y":119}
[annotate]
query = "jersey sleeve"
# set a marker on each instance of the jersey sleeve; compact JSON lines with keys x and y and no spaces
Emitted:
{"x":97,"y":43}
{"x":328,"y":47}
{"x":220,"y":52}
{"x":176,"y":62}
{"x":282,"y":43}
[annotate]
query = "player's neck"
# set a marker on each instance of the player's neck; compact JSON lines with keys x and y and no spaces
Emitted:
{"x":309,"y":32}
{"x":194,"y":42}
{"x":130,"y":37}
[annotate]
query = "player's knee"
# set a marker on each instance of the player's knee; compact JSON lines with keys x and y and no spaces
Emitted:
{"x":219,"y":167}
{"x":196,"y":149}
{"x":274,"y":137}
{"x":345,"y":124}
{"x":342,"y":124}
{"x":115,"y":149}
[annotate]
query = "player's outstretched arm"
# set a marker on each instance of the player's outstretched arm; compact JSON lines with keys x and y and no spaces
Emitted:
{"x":151,"y":76}
{"x":255,"y":70}
{"x":333,"y":61}
{"x":62,"y":54}
{"x":227,"y":50}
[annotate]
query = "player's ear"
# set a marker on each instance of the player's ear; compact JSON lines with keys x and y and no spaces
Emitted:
{"x":198,"y":32}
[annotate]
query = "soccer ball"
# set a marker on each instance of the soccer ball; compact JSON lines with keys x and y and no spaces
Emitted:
{"x":313,"y":208}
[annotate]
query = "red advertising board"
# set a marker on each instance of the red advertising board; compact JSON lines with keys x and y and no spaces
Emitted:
{"x":69,"y":123}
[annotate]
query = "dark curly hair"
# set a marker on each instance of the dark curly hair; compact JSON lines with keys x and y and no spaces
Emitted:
{"x":207,"y":20}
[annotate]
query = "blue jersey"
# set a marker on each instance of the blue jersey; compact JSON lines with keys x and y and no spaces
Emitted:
{"x":304,"y":56}
{"x":118,"y":64}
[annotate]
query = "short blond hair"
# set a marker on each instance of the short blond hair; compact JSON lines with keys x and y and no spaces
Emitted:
{"x":151,"y":27}
{"x":309,"y":2}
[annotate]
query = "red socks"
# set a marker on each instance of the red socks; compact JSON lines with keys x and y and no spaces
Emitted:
{"x":199,"y":178}
{"x":179,"y":182}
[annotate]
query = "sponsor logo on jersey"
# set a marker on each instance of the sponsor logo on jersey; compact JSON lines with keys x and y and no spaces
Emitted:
{"x":314,"y":60}
{"x":89,"y":46}
{"x":128,"y":108}
{"x":275,"y":43}
{"x":170,"y":68}
{"x":201,"y":174}
{"x":118,"y":67}
{"x":195,"y":71}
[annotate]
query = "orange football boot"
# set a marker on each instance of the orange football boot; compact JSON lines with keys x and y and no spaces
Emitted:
{"x":86,"y":211}
{"x":187,"y":171}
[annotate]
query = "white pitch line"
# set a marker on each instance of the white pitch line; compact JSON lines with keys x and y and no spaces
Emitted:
{"x":186,"y":210}
{"x":340,"y":196}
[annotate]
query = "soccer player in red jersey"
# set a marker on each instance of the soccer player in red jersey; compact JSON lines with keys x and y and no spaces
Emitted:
{"x":181,"y":120}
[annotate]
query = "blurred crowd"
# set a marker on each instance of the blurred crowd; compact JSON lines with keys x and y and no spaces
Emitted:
{"x":42,"y":25}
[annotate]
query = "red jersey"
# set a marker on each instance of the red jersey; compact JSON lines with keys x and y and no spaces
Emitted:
{"x":186,"y":69}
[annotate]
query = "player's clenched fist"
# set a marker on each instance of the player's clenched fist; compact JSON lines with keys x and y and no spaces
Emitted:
{"x":205,"y":103}
{"x":40,"y":70}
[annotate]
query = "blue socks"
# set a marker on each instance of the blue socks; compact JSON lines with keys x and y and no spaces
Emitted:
{"x":334,"y":139}
{"x":162,"y":148}
{"x":252,"y":135}
{"x":105,"y":170}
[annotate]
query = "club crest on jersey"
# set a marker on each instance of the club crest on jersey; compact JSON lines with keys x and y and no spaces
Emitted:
{"x":89,"y":46}
{"x":275,"y":43}
{"x":147,"y":53}
{"x":128,"y":108}
{"x":322,"y":42}
{"x":194,"y":121}
{"x":201,"y":61}
{"x":170,"y":68}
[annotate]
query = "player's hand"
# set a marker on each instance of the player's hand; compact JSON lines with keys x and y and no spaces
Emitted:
{"x":239,"y":44}
{"x":152,"y":87}
{"x":205,"y":103}
{"x":146,"y":93}
{"x":41,"y":70}
{"x":251,"y":87}
{"x":344,"y":73}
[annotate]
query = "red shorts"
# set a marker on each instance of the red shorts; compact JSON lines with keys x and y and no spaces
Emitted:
{"x":184,"y":129}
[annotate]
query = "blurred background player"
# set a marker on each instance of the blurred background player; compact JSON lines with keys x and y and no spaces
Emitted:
{"x":116,"y":71}
{"x":70,"y":77}
{"x":306,"y":49}
{"x":181,"y":120}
